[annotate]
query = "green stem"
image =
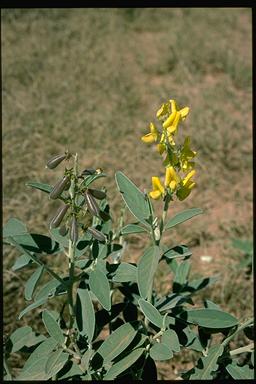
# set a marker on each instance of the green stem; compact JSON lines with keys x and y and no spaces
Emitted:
{"x":246,"y":348}
{"x":242,"y":326}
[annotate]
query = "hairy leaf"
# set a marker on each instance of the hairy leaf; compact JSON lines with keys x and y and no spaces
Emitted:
{"x":183,"y":216}
{"x":146,"y":269}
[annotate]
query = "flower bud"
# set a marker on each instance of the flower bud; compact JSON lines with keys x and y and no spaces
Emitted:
{"x":91,"y":204}
{"x":57,"y":219}
{"x":59,"y":188}
{"x":74,"y":230}
{"x":100,"y":195}
{"x":96,"y":234}
{"x":55,"y":161}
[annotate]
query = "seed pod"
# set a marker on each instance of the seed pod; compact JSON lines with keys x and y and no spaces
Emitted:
{"x":91,"y":204}
{"x":96,"y":234}
{"x":89,"y":171}
{"x":55,"y":161}
{"x":57,"y":219}
{"x":59,"y":188}
{"x":74,"y":231}
{"x":100,"y":195}
{"x":63,"y":230}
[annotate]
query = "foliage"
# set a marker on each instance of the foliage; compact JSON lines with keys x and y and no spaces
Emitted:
{"x":103,"y":294}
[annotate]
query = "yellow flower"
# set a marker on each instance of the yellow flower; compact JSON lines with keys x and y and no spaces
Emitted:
{"x":186,"y":186}
{"x":158,"y":189}
{"x":172,"y":180}
{"x":163,"y":110}
{"x":187,"y":155}
{"x":171,"y":123}
{"x":152,"y":136}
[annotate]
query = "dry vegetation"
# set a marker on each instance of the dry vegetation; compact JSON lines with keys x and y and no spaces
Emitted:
{"x":90,"y":80}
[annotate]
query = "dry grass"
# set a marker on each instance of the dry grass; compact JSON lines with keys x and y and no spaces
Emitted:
{"x":91,"y":80}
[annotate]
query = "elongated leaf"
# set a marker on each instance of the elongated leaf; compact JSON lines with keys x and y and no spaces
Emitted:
{"x":35,"y":243}
{"x":160,"y":351}
{"x":21,"y":261}
{"x":34,"y":367}
{"x":48,"y":289}
{"x":132,"y":228}
{"x":197,"y":284}
{"x":90,"y":179}
{"x":211,"y":305}
{"x":99,"y":285}
{"x":183,"y":216}
{"x":146,"y":269}
{"x":125,"y":272}
{"x":123,"y":364}
{"x":85,"y":315}
{"x":151,"y":313}
{"x":41,"y":186}
{"x":170,"y":338}
{"x":177,"y":252}
{"x":181,"y":274}
{"x":85,"y":359}
{"x":116,"y":342}
{"x":240,"y":373}
{"x":133,"y":197}
{"x":169,"y":301}
{"x":55,"y":362}
{"x":208,"y":364}
{"x":14,"y":227}
{"x":32,"y":282}
{"x":209,"y":318}
{"x":23,"y":337}
{"x":34,"y":305}
{"x":53,"y":327}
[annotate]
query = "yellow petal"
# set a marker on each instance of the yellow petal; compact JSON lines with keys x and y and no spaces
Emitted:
{"x":148,"y":138}
{"x":170,"y":176}
{"x":153,"y":129}
{"x":184,"y":112}
{"x":155,"y":194}
{"x":188,"y":177}
{"x":173,"y":105}
{"x":157,"y":186}
{"x":163,"y":110}
{"x":169,"y":120}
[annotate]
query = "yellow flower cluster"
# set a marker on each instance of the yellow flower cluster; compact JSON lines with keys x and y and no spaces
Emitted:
{"x":177,"y":158}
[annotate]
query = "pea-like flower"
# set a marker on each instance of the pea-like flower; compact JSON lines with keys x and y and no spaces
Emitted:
{"x":172,"y":181}
{"x":186,"y":186}
{"x":186,"y":155}
{"x":175,"y":115}
{"x":152,"y":135}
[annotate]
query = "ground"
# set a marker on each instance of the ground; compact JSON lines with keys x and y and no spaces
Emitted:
{"x":91,"y":80}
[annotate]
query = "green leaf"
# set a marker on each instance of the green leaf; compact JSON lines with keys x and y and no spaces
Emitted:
{"x":240,"y":373}
{"x":125,"y":272}
{"x":86,"y":358}
{"x":34,"y":305}
{"x":71,"y":369}
{"x":123,"y":364}
{"x":21,"y":261}
{"x":53,"y":327}
{"x":48,"y":290}
{"x":90,"y":179}
{"x":32,"y":282}
{"x":34,"y":367}
{"x":41,"y":186}
{"x":183,"y":216}
{"x":116,"y":342}
{"x":170,"y":338}
{"x":133,"y":197}
{"x":23,"y":337}
{"x":14,"y":227}
{"x":146,"y":269}
{"x":209,"y":318}
{"x":197,"y":284}
{"x":85,"y":315}
{"x":132,"y":228}
{"x":151,"y":313}
{"x":182,"y":272}
{"x":34,"y":242}
{"x":99,"y":285}
{"x":160,"y":351}
{"x":55,"y":362}
{"x":208,"y":364}
{"x":169,"y":301}
{"x":177,"y":252}
{"x":211,"y":305}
